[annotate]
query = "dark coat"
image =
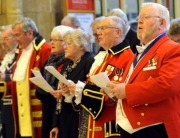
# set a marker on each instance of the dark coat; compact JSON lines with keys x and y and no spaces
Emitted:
{"x":133,"y":40}
{"x":47,"y":100}
{"x":68,"y":119}
{"x":6,"y":105}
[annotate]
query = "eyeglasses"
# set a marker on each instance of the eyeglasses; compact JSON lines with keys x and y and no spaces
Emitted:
{"x":65,"y":44}
{"x":55,"y":40}
{"x":105,"y":27}
{"x":145,"y":17}
{"x":18,"y":35}
{"x":6,"y":38}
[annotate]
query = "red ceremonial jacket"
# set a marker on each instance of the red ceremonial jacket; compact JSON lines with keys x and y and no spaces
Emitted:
{"x":39,"y":56}
{"x":101,"y":122}
{"x":153,"y":92}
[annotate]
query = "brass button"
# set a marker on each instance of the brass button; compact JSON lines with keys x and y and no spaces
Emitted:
{"x":146,"y":104}
{"x":90,"y":109}
{"x":142,"y":114}
{"x":138,"y":123}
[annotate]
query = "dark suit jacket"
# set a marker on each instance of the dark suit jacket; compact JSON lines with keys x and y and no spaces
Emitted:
{"x":68,"y":119}
{"x":133,"y":40}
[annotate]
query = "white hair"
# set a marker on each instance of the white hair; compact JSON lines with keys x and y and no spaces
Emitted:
{"x":160,"y":11}
{"x":61,"y":30}
{"x":80,"y":38}
{"x":119,"y":13}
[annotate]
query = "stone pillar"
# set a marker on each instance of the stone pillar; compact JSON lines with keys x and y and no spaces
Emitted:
{"x":176,"y":8}
{"x":104,"y":7}
{"x":123,"y":5}
{"x":13,"y":10}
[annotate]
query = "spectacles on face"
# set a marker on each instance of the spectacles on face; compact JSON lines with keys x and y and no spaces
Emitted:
{"x":65,"y":44}
{"x":6,"y":38}
{"x":18,"y":35}
{"x":102,"y":28}
{"x":145,"y":17}
{"x":56,"y":40}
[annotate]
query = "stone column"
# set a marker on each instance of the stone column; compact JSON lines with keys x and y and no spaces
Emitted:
{"x":13,"y":10}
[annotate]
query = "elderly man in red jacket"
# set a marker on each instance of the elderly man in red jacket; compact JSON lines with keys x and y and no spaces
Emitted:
{"x":33,"y":53}
{"x":149,"y":100}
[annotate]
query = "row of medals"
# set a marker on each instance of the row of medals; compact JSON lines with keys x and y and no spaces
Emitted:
{"x":118,"y":74}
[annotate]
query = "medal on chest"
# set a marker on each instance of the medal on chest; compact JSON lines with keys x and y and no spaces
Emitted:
{"x":118,"y":74}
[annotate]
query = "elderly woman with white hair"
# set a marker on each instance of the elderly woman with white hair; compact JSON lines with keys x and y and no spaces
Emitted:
{"x":77,"y":48}
{"x":56,"y":60}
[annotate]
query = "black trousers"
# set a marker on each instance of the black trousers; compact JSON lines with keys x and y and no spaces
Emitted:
{"x":157,"y":131}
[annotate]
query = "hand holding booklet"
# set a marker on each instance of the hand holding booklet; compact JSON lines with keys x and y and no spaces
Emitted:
{"x":101,"y":81}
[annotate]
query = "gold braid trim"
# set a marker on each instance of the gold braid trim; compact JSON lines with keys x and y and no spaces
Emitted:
{"x":37,"y":114}
{"x":3,"y":89}
{"x":37,"y":123}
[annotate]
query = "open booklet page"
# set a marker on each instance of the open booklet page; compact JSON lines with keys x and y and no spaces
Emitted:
{"x":36,"y":73}
{"x":60,"y":77}
{"x":42,"y":83}
{"x":101,"y":80}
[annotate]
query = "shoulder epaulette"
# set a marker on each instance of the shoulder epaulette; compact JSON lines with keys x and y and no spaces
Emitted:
{"x":38,"y":46}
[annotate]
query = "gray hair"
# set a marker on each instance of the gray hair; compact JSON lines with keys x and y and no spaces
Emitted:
{"x":97,"y":21}
{"x":61,"y":30}
{"x":174,"y":27}
{"x":3,"y":28}
{"x":6,"y":27}
{"x":119,"y":23}
{"x":74,"y":20}
{"x":26,"y":24}
{"x":80,"y":38}
{"x":160,"y":11}
{"x":119,"y":13}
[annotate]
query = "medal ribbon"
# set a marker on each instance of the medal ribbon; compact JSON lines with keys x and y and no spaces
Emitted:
{"x":147,"y":49}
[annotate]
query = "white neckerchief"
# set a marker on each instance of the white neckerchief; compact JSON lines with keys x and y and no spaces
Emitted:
{"x":8,"y":59}
{"x":140,"y":49}
{"x":22,"y":64}
{"x":99,"y":58}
